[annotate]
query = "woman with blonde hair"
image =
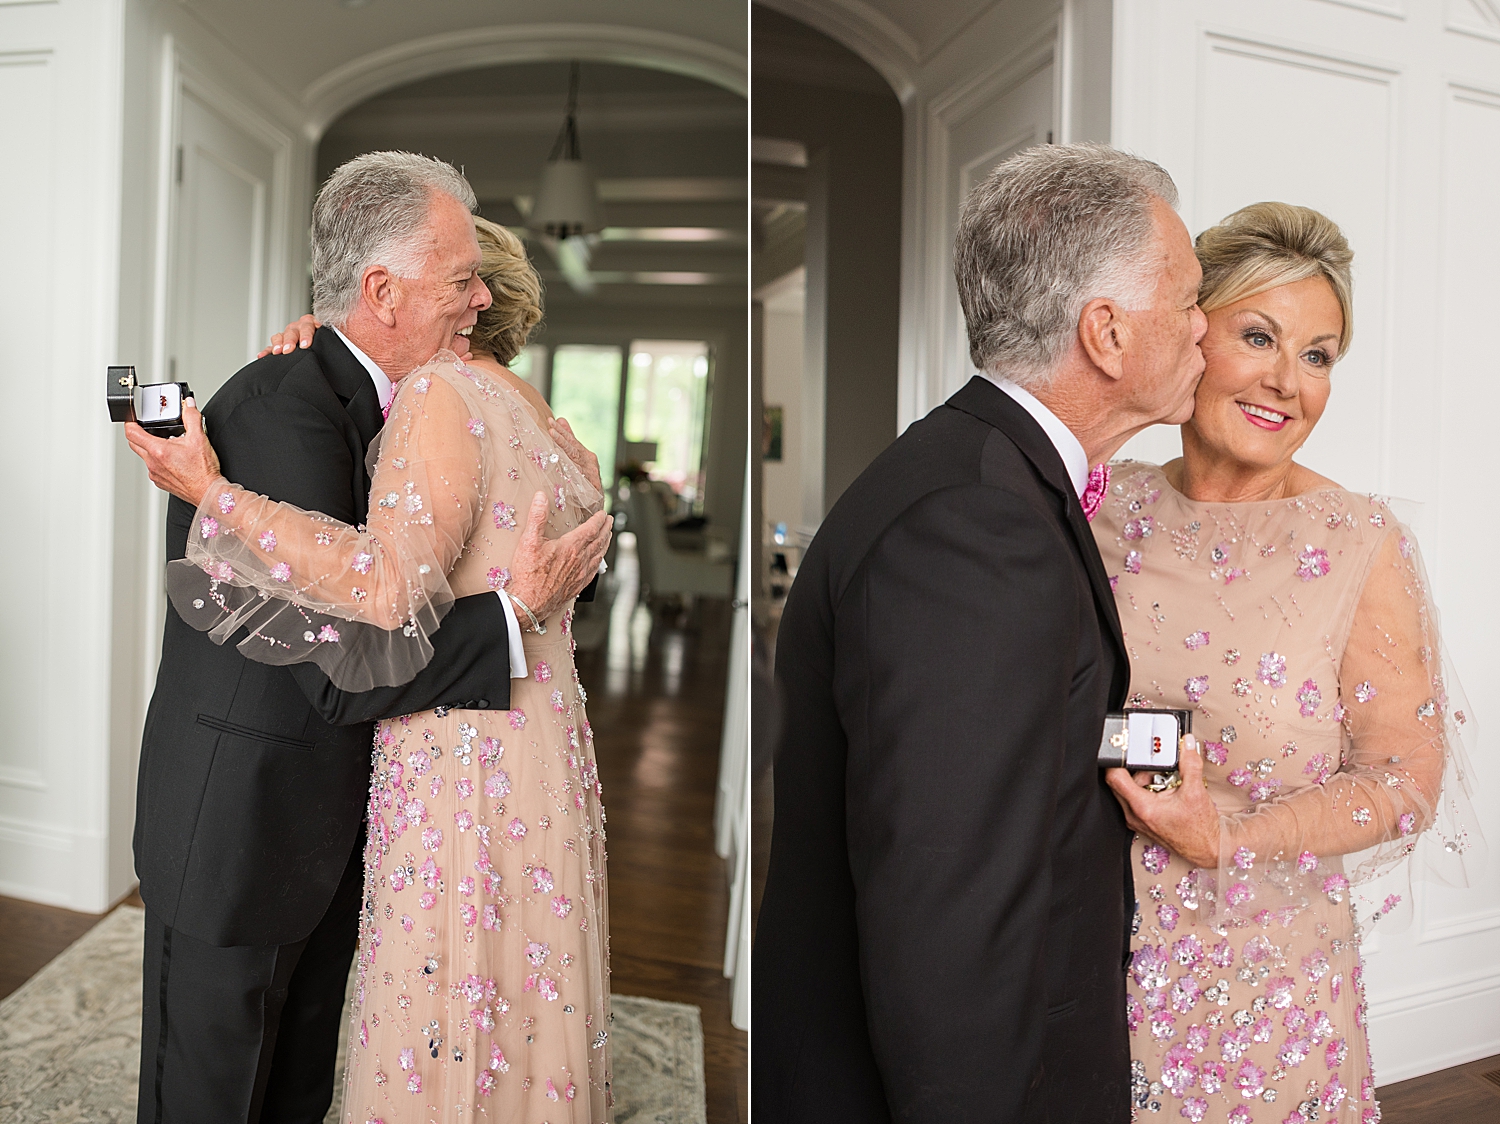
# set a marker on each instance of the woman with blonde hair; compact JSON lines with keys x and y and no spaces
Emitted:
{"x":1293,"y":617}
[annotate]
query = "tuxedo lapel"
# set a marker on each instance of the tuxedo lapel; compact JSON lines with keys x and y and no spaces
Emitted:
{"x":351,"y":382}
{"x":987,"y":402}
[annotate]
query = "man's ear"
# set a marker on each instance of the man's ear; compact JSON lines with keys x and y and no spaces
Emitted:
{"x":378,"y":290}
{"x":1104,"y":334}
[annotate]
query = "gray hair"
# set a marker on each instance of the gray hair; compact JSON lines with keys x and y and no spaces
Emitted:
{"x":373,"y":211}
{"x":1044,"y":233}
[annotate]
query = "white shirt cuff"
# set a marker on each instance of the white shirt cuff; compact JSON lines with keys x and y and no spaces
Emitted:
{"x":518,"y":668}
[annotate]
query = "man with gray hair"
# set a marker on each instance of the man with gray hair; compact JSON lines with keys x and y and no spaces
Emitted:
{"x":947,"y":907}
{"x":253,"y":777}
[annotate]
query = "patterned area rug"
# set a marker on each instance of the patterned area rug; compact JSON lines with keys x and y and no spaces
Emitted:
{"x":70,"y":1041}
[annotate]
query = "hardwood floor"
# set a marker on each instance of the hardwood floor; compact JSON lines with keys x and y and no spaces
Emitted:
{"x":34,"y":934}
{"x":1451,"y":1096}
{"x":656,"y":713}
{"x":657,"y":724}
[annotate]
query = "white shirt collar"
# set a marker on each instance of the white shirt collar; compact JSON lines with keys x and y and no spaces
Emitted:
{"x":383,"y":385}
{"x":1068,"y":447}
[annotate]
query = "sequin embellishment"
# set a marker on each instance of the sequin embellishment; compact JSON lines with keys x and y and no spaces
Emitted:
{"x":1309,"y":697}
{"x":1272,"y":670}
{"x":1312,"y":563}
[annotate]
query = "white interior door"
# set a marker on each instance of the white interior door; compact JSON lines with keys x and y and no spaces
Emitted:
{"x":222,"y":246}
{"x":1384,"y":115}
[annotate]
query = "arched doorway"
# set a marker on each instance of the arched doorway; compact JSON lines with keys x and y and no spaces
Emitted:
{"x":827,"y":146}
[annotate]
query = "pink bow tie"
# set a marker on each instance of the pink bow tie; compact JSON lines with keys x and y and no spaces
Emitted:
{"x":385,"y":411}
{"x":1093,"y":495}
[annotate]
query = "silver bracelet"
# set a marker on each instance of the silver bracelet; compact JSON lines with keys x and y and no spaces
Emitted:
{"x":536,"y":626}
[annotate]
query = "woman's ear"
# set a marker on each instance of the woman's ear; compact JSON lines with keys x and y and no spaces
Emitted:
{"x":1104,"y":334}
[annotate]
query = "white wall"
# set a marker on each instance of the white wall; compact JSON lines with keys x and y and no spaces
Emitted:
{"x":90,"y":89}
{"x":59,"y":221}
{"x":88,"y":86}
{"x":1385,"y":115}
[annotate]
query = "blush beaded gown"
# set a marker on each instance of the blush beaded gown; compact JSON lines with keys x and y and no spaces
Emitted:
{"x":1302,"y":634}
{"x":482,"y":974}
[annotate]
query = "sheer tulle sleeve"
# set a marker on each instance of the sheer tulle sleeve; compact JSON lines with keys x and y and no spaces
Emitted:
{"x":1403,"y":770}
{"x":361,"y":602}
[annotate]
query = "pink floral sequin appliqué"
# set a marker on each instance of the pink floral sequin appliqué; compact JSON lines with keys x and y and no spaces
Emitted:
{"x":1312,"y":563}
{"x":1309,"y":697}
{"x":1272,"y":670}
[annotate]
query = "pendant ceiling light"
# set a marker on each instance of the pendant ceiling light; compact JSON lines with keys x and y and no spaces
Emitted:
{"x":567,"y":204}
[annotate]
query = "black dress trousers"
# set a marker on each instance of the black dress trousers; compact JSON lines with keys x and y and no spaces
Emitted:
{"x":246,"y":1033}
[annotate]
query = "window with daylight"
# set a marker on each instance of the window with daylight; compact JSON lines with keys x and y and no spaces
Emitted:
{"x":666,"y":403}
{"x":586,"y":391}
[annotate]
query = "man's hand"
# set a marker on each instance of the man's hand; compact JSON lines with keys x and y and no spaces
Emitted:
{"x":577,"y":452}
{"x":548,"y":573}
{"x":1184,"y":819}
{"x":186,"y":466}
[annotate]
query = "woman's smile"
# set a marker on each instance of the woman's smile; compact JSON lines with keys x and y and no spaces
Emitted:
{"x":1263,"y":416}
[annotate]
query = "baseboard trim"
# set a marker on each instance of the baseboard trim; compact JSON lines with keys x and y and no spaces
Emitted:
{"x":1437,"y":1062}
{"x":1435,"y":1028}
{"x":51,"y":864}
{"x":26,"y":892}
{"x":21,"y":833}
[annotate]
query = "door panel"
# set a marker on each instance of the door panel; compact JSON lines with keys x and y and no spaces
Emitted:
{"x":219,"y":284}
{"x":1017,"y":117}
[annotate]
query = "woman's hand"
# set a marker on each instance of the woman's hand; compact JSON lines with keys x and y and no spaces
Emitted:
{"x":568,"y":441}
{"x":186,"y":466}
{"x":297,"y":334}
{"x":1184,"y":819}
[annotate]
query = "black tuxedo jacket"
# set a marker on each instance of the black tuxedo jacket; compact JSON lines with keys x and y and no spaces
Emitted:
{"x":253,"y":778}
{"x":947,"y":908}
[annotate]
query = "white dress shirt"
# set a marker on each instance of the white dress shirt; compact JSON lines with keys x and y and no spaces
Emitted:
{"x":1068,"y":447}
{"x":387,"y":390}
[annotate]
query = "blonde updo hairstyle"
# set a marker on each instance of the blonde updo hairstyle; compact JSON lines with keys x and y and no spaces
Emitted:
{"x":504,"y":327}
{"x":1266,"y":245}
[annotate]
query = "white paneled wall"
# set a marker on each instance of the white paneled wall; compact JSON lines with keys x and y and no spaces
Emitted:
{"x":59,"y":215}
{"x":1020,"y":74}
{"x":91,"y":93}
